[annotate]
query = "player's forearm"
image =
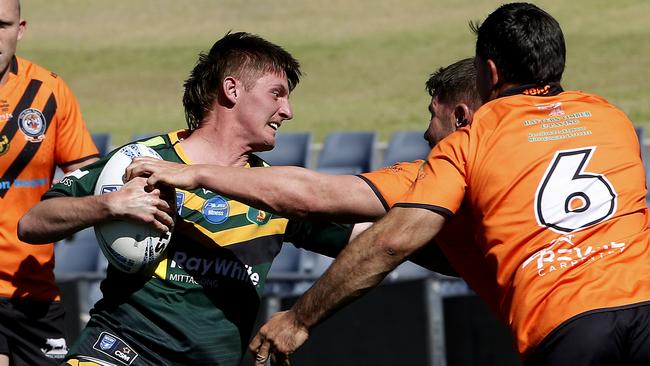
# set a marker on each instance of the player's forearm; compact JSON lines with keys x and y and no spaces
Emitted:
{"x":359,"y":267}
{"x":366,"y":261}
{"x":293,"y":192}
{"x":57,"y":218}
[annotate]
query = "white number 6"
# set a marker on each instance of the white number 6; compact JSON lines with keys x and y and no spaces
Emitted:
{"x":570,"y":199}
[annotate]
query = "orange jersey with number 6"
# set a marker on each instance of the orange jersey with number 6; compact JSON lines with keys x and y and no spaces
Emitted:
{"x":557,"y":189}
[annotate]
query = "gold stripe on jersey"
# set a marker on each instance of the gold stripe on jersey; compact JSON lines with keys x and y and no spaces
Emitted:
{"x":245,"y":233}
{"x":78,"y":362}
{"x":154,"y":141}
{"x":195,"y":202}
{"x":161,"y":269}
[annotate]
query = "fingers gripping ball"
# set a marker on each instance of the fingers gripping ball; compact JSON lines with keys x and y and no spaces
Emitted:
{"x":128,"y":245}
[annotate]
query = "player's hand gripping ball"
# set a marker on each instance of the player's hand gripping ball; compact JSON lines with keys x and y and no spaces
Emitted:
{"x":128,"y":245}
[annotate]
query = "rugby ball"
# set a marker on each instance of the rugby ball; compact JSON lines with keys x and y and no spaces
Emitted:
{"x":128,"y":245}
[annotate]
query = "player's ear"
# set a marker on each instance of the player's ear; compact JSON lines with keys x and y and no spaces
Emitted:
{"x":463,"y":115}
{"x":21,"y":28}
{"x":495,"y":75}
{"x":230,"y":86}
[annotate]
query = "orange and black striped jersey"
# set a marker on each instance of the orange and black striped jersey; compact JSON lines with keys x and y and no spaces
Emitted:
{"x":40,"y":127}
{"x":557,"y":188}
{"x":456,"y":239}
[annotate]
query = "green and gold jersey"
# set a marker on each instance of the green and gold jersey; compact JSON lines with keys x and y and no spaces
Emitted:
{"x":199,"y":304}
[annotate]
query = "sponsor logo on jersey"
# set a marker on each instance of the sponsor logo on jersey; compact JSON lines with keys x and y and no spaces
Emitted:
{"x":216,"y":210}
{"x":537,"y":90}
{"x":31,"y":183}
{"x":563,"y":253}
{"x":32,"y":123}
{"x":115,"y":348}
{"x":111,"y":188}
{"x":258,"y":217}
{"x":4,"y":144}
{"x":180,"y":199}
{"x":5,"y":116}
{"x":554,"y":109}
{"x":55,"y":348}
{"x":201,"y":271}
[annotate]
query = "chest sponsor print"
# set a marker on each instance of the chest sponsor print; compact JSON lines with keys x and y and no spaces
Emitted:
{"x":216,"y":210}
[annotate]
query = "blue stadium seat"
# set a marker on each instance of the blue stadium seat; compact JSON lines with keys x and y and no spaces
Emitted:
{"x":290,"y":149}
{"x":640,"y":130}
{"x":347,"y":153}
{"x":79,"y":260}
{"x":406,"y":146}
{"x":103,"y":142}
{"x":77,"y":254}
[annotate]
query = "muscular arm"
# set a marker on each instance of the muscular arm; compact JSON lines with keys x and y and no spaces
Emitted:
{"x":289,"y":191}
{"x":359,"y":267}
{"x":57,"y":218}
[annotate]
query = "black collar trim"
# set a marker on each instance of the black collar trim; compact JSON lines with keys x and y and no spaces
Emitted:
{"x":13,"y":67}
{"x":536,"y":90}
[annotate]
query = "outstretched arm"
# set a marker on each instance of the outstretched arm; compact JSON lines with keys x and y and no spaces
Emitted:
{"x":289,"y":191}
{"x":57,"y":218}
{"x":360,"y":266}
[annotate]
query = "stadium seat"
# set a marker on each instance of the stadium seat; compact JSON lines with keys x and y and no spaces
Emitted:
{"x":290,"y":149}
{"x":103,"y":143}
{"x":347,"y":153}
{"x":78,"y":261}
{"x":406,"y":146}
{"x":640,"y":134}
{"x":77,"y":254}
{"x":285,"y":271}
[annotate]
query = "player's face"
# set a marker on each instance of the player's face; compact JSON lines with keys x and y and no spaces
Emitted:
{"x":263,"y":108}
{"x":11,"y":30}
{"x":442,"y":122}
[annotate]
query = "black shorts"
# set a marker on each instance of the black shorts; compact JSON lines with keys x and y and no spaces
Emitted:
{"x":99,"y":344}
{"x":31,"y":332}
{"x":615,"y":336}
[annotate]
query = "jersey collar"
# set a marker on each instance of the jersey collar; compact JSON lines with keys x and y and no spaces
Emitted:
{"x":537,"y":90}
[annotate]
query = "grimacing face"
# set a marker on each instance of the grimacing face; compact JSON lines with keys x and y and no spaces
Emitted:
{"x":262,"y":109}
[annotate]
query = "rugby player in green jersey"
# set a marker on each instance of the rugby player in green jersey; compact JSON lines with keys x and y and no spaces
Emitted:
{"x":306,"y":194}
{"x":199,"y":304}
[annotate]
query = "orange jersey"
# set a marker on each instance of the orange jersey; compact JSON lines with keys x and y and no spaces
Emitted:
{"x":40,"y":127}
{"x":456,"y":239}
{"x":557,"y":187}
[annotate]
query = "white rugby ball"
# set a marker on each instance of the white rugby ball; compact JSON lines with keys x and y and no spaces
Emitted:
{"x":128,"y":245}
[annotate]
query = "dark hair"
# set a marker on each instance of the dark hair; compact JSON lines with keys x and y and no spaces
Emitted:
{"x":525,"y":43}
{"x":242,"y":55}
{"x":455,"y":83}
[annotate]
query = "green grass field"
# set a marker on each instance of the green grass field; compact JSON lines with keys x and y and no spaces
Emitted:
{"x":365,"y":62}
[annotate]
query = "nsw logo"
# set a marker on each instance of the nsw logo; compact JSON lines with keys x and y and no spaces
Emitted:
{"x":216,"y":210}
{"x":107,"y":342}
{"x":180,"y":198}
{"x":115,"y":348}
{"x":111,"y":188}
